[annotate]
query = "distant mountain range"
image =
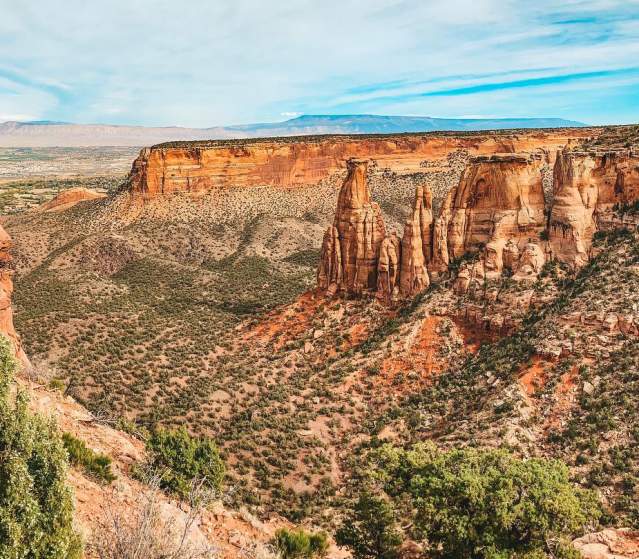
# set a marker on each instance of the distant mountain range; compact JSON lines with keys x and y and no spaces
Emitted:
{"x":65,"y":134}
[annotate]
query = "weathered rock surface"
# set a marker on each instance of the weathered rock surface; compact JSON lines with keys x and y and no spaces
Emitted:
{"x":388,"y":268}
{"x":351,"y":247}
{"x":416,"y":246}
{"x":587,"y":186}
{"x":498,"y":199}
{"x":202,"y":166}
{"x":609,"y":544}
{"x":357,"y":256}
{"x":6,"y":290}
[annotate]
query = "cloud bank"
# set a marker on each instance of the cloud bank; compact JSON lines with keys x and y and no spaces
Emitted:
{"x":204,"y":63}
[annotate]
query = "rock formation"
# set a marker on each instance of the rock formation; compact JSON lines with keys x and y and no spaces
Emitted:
{"x":388,"y":268}
{"x":351,"y":247}
{"x":416,"y":246}
{"x":69,"y":198}
{"x":498,"y":211}
{"x":329,"y":275}
{"x":587,"y":187}
{"x":357,"y":256}
{"x":6,"y":290}
{"x":498,"y":198}
{"x":201,"y":166}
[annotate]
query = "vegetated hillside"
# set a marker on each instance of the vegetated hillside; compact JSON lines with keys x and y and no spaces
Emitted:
{"x":565,"y":385}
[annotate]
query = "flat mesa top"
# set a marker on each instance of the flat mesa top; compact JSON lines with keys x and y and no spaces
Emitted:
{"x":580,"y":131}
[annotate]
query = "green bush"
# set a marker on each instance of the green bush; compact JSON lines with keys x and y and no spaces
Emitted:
{"x":294,"y":544}
{"x":36,"y":505}
{"x":370,"y":530}
{"x":94,"y":464}
{"x":481,"y":504}
{"x":180,"y":459}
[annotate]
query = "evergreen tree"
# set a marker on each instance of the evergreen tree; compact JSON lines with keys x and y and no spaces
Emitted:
{"x":36,"y":506}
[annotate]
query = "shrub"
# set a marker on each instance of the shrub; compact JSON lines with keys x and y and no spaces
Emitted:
{"x":36,"y":506}
{"x":482,"y":504}
{"x":181,"y":459}
{"x":294,"y":544}
{"x":370,"y":530}
{"x":94,"y":464}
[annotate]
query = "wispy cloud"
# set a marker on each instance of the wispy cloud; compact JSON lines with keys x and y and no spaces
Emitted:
{"x":232,"y":62}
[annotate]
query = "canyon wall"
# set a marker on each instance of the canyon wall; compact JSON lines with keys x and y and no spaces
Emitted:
{"x":6,"y":291}
{"x":588,"y":188}
{"x":202,"y":166}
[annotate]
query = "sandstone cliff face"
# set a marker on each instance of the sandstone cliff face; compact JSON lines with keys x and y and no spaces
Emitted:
{"x":200,"y":166}
{"x":587,"y":186}
{"x":416,"y":246}
{"x":498,"y":199}
{"x":351,"y":246}
{"x":357,"y":256}
{"x":6,"y":290}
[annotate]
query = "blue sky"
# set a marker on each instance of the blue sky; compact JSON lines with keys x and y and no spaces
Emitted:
{"x":215,"y":62}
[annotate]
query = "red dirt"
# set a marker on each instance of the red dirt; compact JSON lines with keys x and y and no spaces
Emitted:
{"x":286,"y":323}
{"x":474,"y":336}
{"x":533,"y":378}
{"x":421,"y":357}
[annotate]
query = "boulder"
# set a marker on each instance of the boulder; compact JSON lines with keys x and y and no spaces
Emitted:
{"x":611,"y":543}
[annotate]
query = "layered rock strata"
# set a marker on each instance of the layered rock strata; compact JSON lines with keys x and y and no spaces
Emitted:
{"x":358,"y":256}
{"x":416,"y":246}
{"x":498,"y":211}
{"x":351,"y":247}
{"x":591,"y":191}
{"x":200,"y":166}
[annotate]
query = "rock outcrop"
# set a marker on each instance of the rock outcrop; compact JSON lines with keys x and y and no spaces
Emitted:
{"x":499,"y":198}
{"x":587,"y":188}
{"x":388,"y":268}
{"x":499,"y":211}
{"x":357,"y":256}
{"x":416,"y":246}
{"x":69,"y":198}
{"x":6,"y":291}
{"x":609,"y":544}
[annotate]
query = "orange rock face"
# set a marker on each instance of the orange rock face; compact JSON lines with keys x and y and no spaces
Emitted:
{"x":388,"y":268}
{"x":498,"y":199}
{"x":69,"y":198}
{"x":357,"y":256}
{"x":6,"y":290}
{"x":416,"y":246}
{"x":587,"y":186}
{"x":355,"y":237}
{"x":201,"y":166}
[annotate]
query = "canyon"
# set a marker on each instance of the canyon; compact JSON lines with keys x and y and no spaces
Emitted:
{"x":309,"y":299}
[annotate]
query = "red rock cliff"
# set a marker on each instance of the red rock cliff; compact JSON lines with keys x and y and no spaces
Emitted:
{"x":358,"y":257}
{"x":6,"y":290}
{"x":201,"y":166}
{"x":587,"y":187}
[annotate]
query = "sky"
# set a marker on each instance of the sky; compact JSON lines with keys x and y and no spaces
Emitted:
{"x":204,"y":63}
